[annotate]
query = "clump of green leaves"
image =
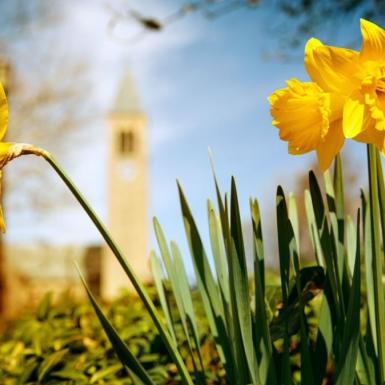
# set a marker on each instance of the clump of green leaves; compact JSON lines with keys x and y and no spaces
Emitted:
{"x":63,"y":343}
{"x":318,"y":331}
{"x":257,"y":344}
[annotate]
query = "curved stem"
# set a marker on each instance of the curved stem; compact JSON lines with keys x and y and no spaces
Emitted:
{"x":127,"y":268}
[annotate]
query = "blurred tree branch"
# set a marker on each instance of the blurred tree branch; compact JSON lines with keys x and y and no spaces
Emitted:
{"x":48,"y":96}
{"x":296,"y":17}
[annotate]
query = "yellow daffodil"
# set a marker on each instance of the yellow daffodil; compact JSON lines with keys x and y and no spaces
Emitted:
{"x":9,"y":151}
{"x":346,"y":98}
{"x":308,"y":119}
{"x":4,"y":147}
{"x":359,"y":77}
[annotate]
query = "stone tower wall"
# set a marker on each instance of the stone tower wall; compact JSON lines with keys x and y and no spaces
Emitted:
{"x":127,"y":187}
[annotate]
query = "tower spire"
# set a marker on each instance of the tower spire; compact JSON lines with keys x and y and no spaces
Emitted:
{"x":127,"y":99}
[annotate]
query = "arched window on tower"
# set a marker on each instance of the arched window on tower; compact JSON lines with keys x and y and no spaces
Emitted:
{"x":126,"y":142}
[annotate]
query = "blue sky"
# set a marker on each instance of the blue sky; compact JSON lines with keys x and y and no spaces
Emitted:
{"x":202,"y":84}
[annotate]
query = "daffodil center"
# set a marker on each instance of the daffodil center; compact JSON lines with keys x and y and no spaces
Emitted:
{"x":373,"y":91}
{"x":380,"y":85}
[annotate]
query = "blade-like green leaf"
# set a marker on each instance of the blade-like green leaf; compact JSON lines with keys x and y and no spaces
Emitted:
{"x":351,"y":244}
{"x":313,"y":232}
{"x":262,"y":336}
{"x":241,"y":286}
{"x":121,"y":349}
{"x":284,"y":265}
{"x":235,"y":338}
{"x":307,"y":374}
{"x":188,"y":308}
{"x":336,"y":215}
{"x":156,"y":269}
{"x":207,"y":287}
{"x":334,"y":295}
{"x":218,"y":251}
{"x":346,"y":366}
{"x":376,"y":177}
{"x":138,"y":285}
{"x":370,"y":294}
{"x":50,"y":362}
{"x":293,"y":216}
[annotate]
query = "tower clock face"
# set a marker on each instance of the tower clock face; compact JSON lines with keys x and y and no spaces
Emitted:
{"x":127,"y":169}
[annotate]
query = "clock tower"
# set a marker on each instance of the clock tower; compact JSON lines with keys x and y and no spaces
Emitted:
{"x":127,"y":169}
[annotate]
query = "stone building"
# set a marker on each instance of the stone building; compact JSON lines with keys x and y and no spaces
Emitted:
{"x":30,"y":271}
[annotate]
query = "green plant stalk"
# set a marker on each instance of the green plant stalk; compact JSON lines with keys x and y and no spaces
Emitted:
{"x":377,"y":263}
{"x":140,"y":289}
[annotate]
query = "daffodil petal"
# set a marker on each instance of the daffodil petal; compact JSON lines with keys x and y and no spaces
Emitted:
{"x":332,"y":68}
{"x":373,"y":41}
{"x":2,"y":222}
{"x":3,"y":112}
{"x":331,"y":145}
{"x":310,"y":64}
{"x":372,"y":136}
{"x":4,"y":149}
{"x":353,"y":117}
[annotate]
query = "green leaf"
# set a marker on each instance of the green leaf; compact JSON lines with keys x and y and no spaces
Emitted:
{"x":370,"y":294}
{"x":181,"y":291}
{"x":336,"y":215}
{"x":70,"y":375}
{"x":241,"y":286}
{"x":207,"y":287}
{"x":262,"y":335}
{"x":44,"y":307}
{"x":218,"y":251}
{"x":334,"y":294}
{"x":313,"y":231}
{"x":186,"y":310}
{"x":25,"y":376}
{"x":158,"y":278}
{"x":138,"y":285}
{"x":293,"y":216}
{"x":121,"y":349}
{"x":346,"y":366}
{"x":351,"y":244}
{"x":105,"y":373}
{"x":51,"y":362}
{"x":284,"y":265}
{"x":375,"y":188}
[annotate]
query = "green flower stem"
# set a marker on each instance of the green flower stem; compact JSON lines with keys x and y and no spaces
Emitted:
{"x":377,"y":262}
{"x":127,"y":268}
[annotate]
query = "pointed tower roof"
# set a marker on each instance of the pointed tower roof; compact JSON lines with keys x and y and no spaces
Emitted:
{"x":127,"y":100}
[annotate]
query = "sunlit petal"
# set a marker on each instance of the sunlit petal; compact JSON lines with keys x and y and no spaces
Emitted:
{"x":353,"y":117}
{"x":2,"y":222}
{"x":371,"y":135}
{"x":333,"y":69}
{"x":330,"y":146}
{"x":3,"y":112}
{"x":373,"y":41}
